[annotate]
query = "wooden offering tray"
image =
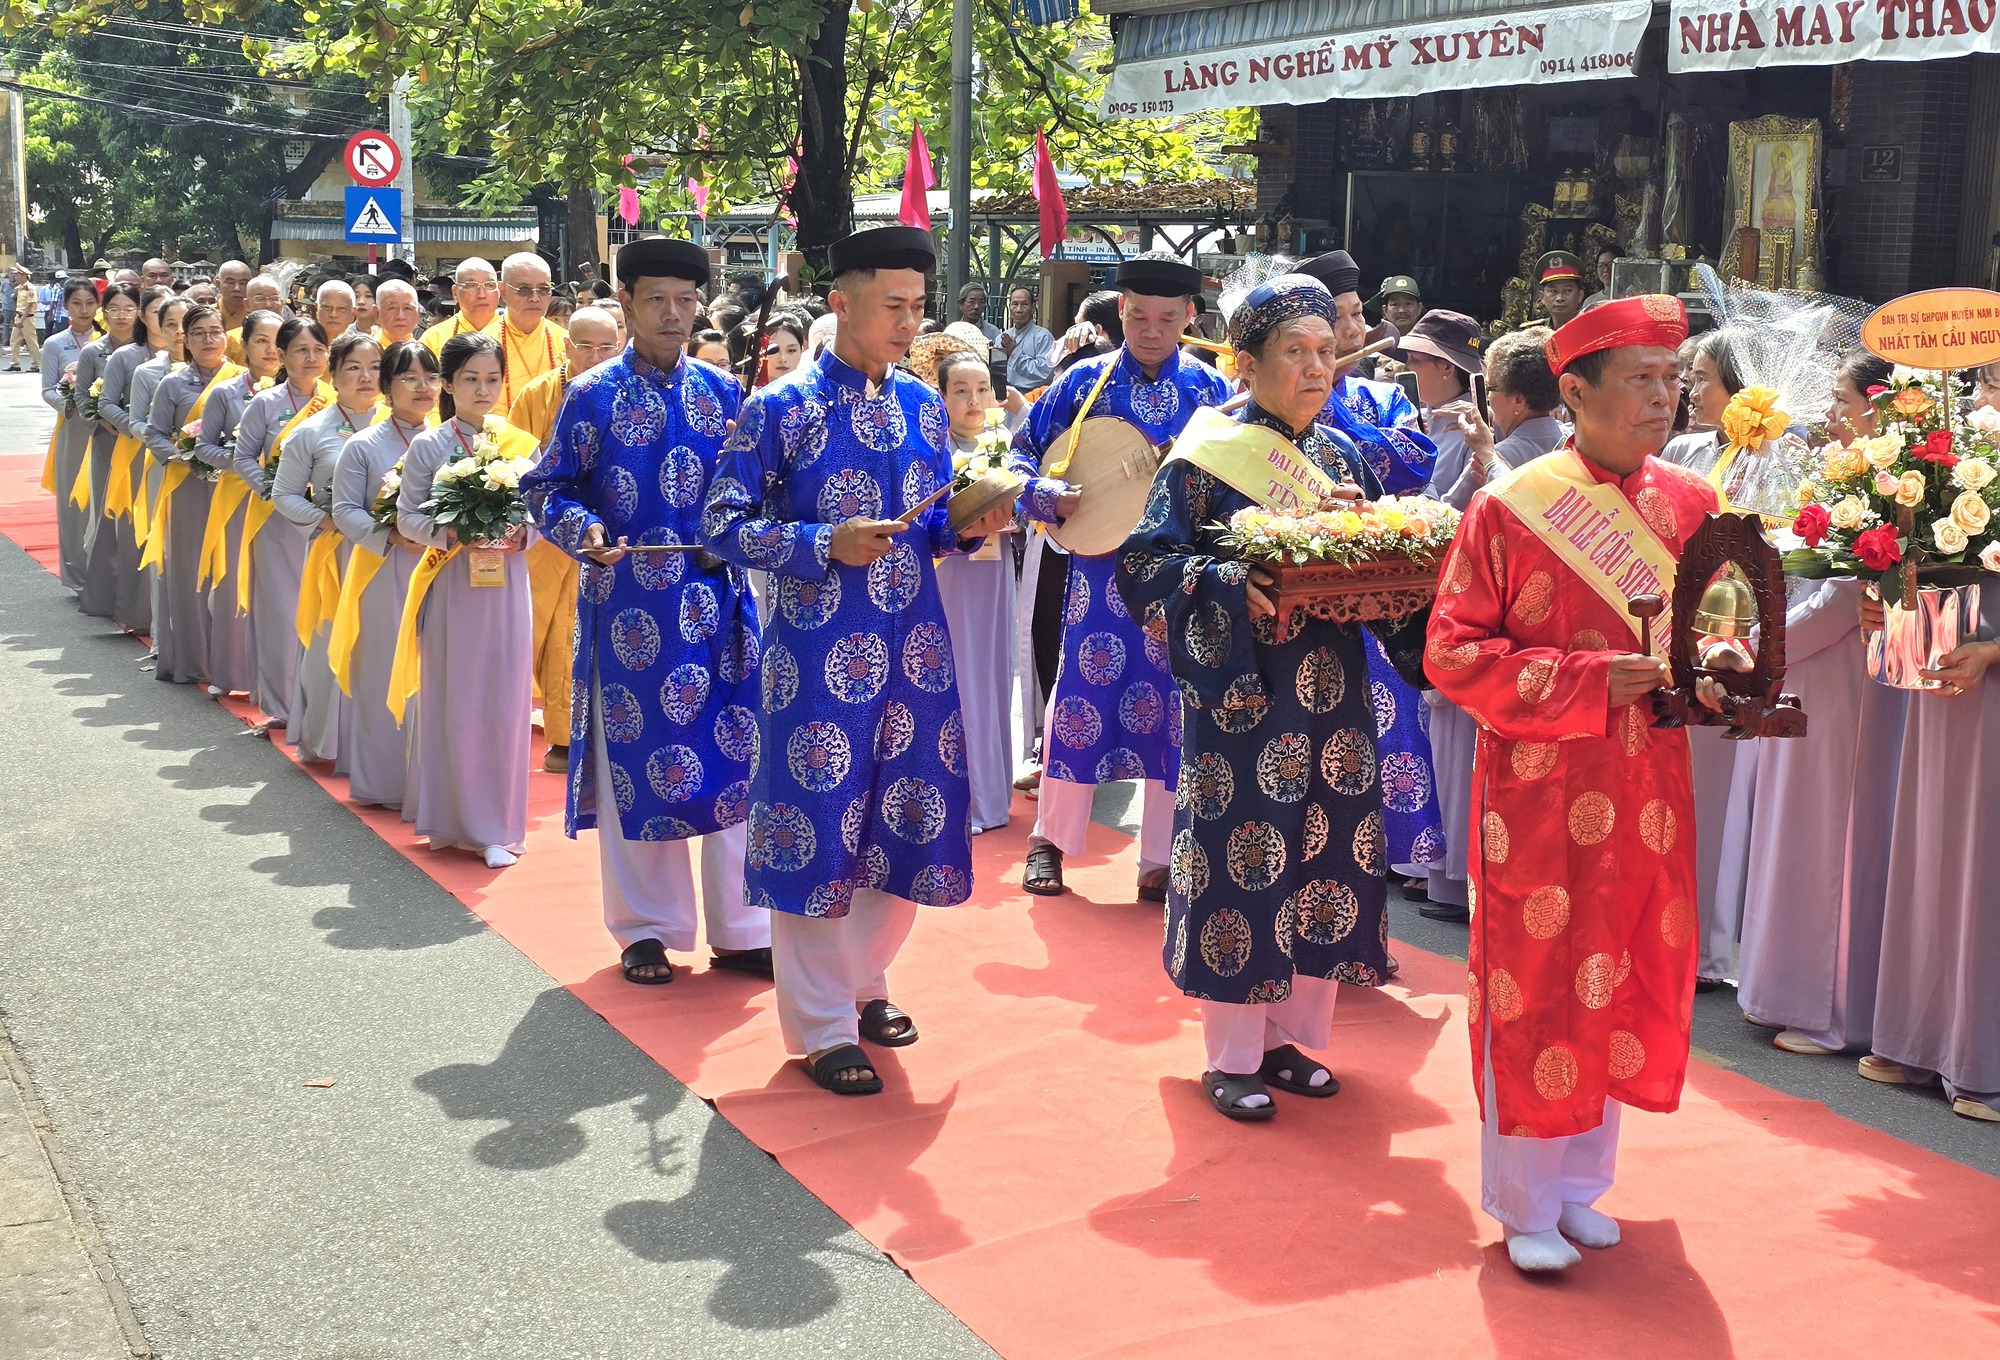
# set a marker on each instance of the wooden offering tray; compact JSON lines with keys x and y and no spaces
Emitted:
{"x":1753,"y":706}
{"x":1391,"y":588}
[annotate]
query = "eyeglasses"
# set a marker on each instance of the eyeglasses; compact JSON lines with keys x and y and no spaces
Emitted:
{"x":487,"y":286}
{"x":418,"y":378}
{"x":540,"y":290}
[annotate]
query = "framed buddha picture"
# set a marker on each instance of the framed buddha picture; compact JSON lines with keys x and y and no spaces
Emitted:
{"x":1774,"y":192}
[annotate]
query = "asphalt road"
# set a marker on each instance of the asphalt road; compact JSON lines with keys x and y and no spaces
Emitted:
{"x":191,"y":931}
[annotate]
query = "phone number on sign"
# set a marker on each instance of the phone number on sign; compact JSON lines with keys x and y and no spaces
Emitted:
{"x":1569,"y":66}
{"x":1146,"y":108}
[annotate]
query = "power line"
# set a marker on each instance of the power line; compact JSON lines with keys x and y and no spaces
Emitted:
{"x":133,"y":96}
{"x":197,"y":73}
{"x":170,"y":115}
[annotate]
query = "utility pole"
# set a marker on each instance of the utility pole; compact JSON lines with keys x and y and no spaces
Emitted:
{"x":406,"y":178}
{"x":958,"y":247}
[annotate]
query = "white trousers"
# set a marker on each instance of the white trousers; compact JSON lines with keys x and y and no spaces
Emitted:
{"x":827,"y":967}
{"x":1524,"y":1182}
{"x":649,"y":885}
{"x":1062,"y":818}
{"x":1238,"y":1037}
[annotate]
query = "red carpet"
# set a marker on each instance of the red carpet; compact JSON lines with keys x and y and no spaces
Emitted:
{"x":1044,"y":1165}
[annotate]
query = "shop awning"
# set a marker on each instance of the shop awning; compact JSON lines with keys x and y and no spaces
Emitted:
{"x":1308,"y":51}
{"x":1714,"y":35}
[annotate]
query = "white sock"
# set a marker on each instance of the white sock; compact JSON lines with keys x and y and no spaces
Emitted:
{"x":1585,"y":1226}
{"x":1542,"y":1251}
{"x":499,"y":857}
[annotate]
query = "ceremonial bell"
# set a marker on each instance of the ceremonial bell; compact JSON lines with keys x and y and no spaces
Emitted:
{"x":1728,"y":608}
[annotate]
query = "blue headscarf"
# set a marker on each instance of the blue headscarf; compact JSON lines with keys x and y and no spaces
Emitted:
{"x":1281,"y":298}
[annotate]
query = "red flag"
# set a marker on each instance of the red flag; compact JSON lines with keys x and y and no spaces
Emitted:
{"x":1048,"y":195}
{"x":917,"y":182}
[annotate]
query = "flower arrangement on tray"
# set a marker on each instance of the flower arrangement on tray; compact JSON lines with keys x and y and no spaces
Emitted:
{"x":478,"y":496}
{"x":1413,"y":529}
{"x":1917,"y":500}
{"x":981,"y":479}
{"x":1377,"y":560}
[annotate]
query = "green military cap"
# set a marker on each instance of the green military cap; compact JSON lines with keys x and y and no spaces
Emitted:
{"x":1559,"y":265}
{"x":1400,"y":284}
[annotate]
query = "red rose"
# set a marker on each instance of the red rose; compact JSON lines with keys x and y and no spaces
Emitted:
{"x":1877,"y":548}
{"x":1937,"y":449}
{"x":1877,"y":390}
{"x":1812,"y":524}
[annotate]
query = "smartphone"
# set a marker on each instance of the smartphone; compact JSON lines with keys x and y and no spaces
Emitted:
{"x":1479,"y":396}
{"x":1408,"y":382}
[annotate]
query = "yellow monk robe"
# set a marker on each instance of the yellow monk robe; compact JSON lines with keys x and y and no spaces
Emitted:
{"x":552,"y":573}
{"x":530,"y":354}
{"x":434,"y":338}
{"x":177,"y":471}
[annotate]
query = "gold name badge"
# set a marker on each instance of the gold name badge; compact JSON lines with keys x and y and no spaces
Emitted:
{"x":489,"y":566}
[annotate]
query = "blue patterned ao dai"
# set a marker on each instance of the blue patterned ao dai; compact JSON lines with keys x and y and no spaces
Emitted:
{"x":1114,"y":713}
{"x":860,"y":781}
{"x":672,"y":644}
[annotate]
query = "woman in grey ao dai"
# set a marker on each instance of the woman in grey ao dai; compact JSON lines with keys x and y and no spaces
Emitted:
{"x":303,"y":495}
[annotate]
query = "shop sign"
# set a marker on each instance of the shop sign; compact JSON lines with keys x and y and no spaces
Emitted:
{"x":1533,"y":47}
{"x":1941,"y":328}
{"x":1736,"y":35}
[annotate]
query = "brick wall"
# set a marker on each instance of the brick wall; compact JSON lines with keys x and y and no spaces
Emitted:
{"x":1894,"y":238}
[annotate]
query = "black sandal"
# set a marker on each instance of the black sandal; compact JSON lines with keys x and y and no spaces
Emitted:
{"x":1290,"y":1070}
{"x":1224,"y":1091}
{"x":826,"y":1072}
{"x":882,"y":1023}
{"x":646,"y":954}
{"x":743,"y":961}
{"x":1153,"y":887}
{"x":1044,"y":874}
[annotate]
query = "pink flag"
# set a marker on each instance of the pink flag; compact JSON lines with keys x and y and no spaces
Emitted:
{"x":628,"y":199}
{"x":917,"y":182}
{"x":1048,"y":196}
{"x":700,"y":193}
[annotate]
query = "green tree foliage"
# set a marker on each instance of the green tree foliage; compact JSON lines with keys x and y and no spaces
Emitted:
{"x":142,"y":139}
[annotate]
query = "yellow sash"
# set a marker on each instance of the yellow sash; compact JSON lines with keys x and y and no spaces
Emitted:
{"x":142,"y":513}
{"x":230,"y":493}
{"x":1594,"y":529}
{"x":362,"y":564}
{"x":118,"y":490}
{"x":177,"y":472}
{"x":261,"y":508}
{"x":319,"y":587}
{"x":49,"y":460}
{"x":1255,"y":459}
{"x":79,"y":488}
{"x":406,"y":672}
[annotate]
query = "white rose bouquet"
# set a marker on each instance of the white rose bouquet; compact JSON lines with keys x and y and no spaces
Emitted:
{"x":87,"y":406}
{"x":478,"y":496}
{"x":383,"y":512}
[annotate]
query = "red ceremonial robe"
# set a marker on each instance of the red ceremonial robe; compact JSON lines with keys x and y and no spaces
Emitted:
{"x":1582,"y":833}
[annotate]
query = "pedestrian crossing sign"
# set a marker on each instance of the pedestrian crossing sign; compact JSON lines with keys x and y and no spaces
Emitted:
{"x":374,"y":215}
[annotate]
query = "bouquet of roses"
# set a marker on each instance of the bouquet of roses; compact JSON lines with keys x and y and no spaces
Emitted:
{"x":87,"y":407}
{"x":1415,"y":528}
{"x":66,"y":388}
{"x":1922,"y":492}
{"x":184,"y":443}
{"x":383,"y":512}
{"x":478,"y":497}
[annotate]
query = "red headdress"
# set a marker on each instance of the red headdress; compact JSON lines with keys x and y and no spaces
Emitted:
{"x":1649,"y":319}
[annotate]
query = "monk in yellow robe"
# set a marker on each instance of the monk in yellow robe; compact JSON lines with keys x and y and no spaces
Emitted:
{"x":475,"y":287}
{"x":594,"y":336}
{"x":533,"y":344}
{"x":232,"y":286}
{"x":397,"y":312}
